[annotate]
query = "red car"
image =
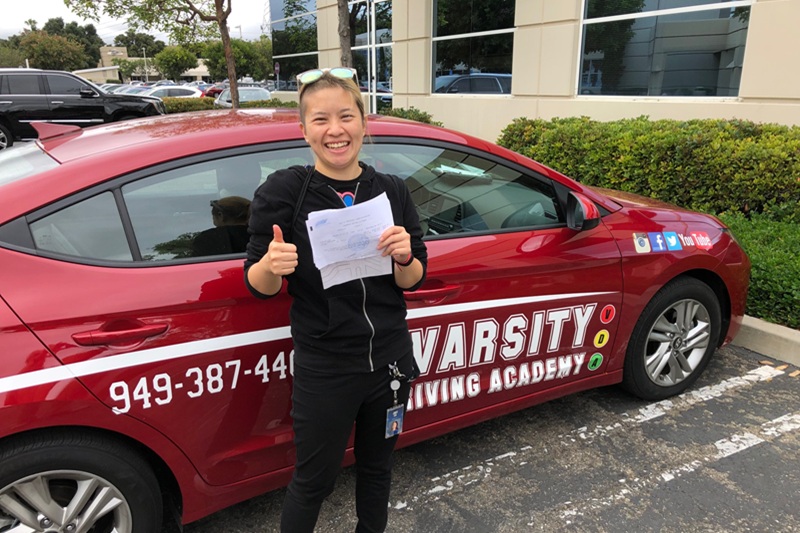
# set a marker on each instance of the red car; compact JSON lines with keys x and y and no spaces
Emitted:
{"x":139,"y":372}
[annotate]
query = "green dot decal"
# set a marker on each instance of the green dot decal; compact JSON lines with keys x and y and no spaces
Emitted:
{"x":595,"y":361}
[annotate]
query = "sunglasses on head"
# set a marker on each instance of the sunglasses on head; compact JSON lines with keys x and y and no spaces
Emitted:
{"x":310,"y":76}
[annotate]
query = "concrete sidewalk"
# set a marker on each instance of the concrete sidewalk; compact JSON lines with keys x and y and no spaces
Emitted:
{"x":768,"y":339}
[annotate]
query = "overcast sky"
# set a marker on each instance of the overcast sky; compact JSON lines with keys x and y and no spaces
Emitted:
{"x":245,"y":19}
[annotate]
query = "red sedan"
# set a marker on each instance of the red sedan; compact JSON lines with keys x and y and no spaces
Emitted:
{"x":136,"y":364}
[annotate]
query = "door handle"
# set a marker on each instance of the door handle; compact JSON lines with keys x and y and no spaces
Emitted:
{"x":434,"y":294}
{"x":118,"y":336}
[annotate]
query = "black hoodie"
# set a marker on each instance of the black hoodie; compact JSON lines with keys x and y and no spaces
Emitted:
{"x":357,"y":326}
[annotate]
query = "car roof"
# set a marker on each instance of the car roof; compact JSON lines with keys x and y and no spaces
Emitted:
{"x":87,"y":156}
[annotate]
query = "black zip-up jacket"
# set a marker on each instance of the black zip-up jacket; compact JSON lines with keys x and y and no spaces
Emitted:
{"x":357,"y":326}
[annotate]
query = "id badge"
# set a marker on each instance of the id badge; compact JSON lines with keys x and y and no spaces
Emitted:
{"x":394,"y":420}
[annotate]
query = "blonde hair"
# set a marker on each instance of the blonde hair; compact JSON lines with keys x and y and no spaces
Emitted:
{"x":326,"y":81}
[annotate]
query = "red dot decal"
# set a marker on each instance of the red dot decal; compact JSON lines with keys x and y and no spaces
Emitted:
{"x":607,"y":314}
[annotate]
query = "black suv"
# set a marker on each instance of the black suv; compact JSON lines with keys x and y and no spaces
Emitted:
{"x":32,"y":95}
{"x":479,"y":82}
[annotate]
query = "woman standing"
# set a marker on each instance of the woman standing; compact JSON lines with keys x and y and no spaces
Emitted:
{"x":353,"y":355}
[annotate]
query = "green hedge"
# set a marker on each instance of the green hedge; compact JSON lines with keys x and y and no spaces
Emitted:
{"x":707,"y":165}
{"x":774,"y":249}
{"x":746,"y":173}
{"x":183,"y":105}
{"x":411,"y":113}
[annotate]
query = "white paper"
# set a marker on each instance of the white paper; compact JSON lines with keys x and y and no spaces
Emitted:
{"x":344,"y":242}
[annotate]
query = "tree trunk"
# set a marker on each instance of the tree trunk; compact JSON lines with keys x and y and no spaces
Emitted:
{"x":222,"y":20}
{"x":344,"y":34}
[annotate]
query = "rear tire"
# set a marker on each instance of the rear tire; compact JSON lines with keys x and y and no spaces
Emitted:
{"x":673,"y":341}
{"x":6,"y":139}
{"x":82,"y":479}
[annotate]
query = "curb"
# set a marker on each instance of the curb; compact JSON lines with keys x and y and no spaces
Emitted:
{"x":769,"y":339}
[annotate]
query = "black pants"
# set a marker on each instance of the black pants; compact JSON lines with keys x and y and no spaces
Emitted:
{"x":324,"y":408}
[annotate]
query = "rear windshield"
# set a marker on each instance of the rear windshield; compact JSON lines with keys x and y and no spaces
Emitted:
{"x":24,"y":159}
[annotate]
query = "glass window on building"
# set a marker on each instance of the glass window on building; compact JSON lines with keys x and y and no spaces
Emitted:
{"x":663,"y":47}
{"x":294,"y":40}
{"x":471,"y":38}
{"x":371,"y":44}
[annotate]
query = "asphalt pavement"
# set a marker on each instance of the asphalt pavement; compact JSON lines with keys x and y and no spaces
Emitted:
{"x":722,"y":457}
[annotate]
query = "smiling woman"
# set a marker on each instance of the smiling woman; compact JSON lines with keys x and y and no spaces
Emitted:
{"x":353,"y":351}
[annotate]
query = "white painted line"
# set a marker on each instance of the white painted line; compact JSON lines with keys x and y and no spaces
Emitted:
{"x":475,"y":473}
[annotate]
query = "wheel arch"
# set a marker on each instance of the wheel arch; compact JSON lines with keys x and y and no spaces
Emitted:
{"x":716,"y":283}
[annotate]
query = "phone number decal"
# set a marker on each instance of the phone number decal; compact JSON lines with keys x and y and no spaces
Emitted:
{"x":162,"y":388}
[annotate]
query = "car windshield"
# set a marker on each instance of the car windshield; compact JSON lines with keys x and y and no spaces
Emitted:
{"x":23,"y":160}
{"x":248,"y":95}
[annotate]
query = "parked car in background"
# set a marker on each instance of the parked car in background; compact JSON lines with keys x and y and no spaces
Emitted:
{"x":31,"y":95}
{"x":174,"y":91}
{"x":133,"y":89}
{"x":246,"y":94}
{"x":484,"y":83}
{"x":138,"y":369}
{"x":215,"y":89}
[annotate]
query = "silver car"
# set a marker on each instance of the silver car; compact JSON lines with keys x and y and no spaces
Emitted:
{"x":246,"y":94}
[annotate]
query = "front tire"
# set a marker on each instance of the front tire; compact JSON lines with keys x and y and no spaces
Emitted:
{"x":673,"y":341}
{"x":70,"y":482}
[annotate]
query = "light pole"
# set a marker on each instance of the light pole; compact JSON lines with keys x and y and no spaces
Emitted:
{"x":144,"y":52}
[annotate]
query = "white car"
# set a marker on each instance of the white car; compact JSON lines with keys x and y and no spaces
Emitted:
{"x":174,"y":91}
{"x":246,"y":94}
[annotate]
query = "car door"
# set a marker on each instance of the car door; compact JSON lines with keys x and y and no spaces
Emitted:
{"x":516,"y":306}
{"x":73,"y":101}
{"x":156,"y":322}
{"x":22,"y":101}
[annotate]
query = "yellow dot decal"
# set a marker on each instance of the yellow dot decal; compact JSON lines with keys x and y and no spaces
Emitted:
{"x":601,"y":339}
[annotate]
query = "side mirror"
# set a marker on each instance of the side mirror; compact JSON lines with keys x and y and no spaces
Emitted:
{"x":87,"y":93}
{"x":582,"y":214}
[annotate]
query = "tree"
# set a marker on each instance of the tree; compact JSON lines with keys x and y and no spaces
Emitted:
{"x":51,"y":51}
{"x":136,"y":42}
{"x":11,"y":57}
{"x":184,"y":20}
{"x":345,"y":33}
{"x":248,"y":57}
{"x":173,"y":61}
{"x":86,"y":36}
{"x":128,"y":67}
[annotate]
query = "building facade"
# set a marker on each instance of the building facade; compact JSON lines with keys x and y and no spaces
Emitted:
{"x":475,"y":65}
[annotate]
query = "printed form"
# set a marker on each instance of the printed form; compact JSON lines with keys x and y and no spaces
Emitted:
{"x":344,"y":242}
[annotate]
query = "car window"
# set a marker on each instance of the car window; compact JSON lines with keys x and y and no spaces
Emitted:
{"x":457,"y":192}
{"x":202,"y":209}
{"x":91,"y":229}
{"x":485,"y":85}
{"x":199,"y":210}
{"x":21,"y":84}
{"x":460,"y":86}
{"x":64,"y":85}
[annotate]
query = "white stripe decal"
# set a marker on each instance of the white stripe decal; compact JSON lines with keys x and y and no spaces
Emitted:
{"x":491,"y":304}
{"x":141,"y":357}
{"x":177,"y":351}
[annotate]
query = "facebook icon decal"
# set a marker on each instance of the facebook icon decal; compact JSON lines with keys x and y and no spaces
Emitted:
{"x":657,"y":242}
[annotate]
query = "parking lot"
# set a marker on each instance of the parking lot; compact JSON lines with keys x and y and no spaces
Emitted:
{"x":720,"y":458}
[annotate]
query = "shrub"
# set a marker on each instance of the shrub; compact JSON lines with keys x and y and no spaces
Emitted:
{"x":707,"y":165}
{"x":183,"y":105}
{"x":773,"y":248}
{"x":411,"y":113}
{"x":272,"y":102}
